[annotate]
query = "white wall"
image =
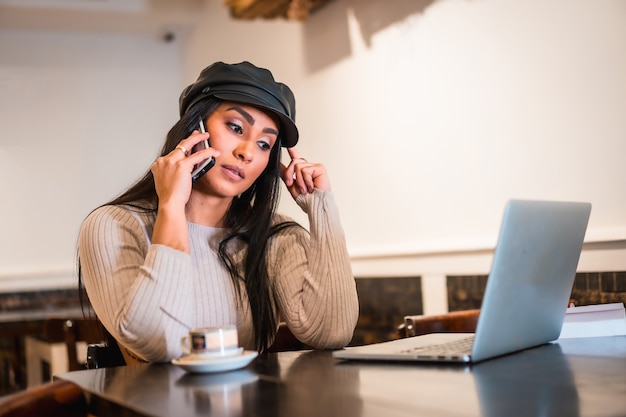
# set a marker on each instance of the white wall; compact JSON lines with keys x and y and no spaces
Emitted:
{"x":428,"y":114}
{"x":83,"y":115}
{"x":432,"y":115}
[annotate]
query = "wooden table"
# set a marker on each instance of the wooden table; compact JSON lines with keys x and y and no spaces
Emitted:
{"x":574,"y":377}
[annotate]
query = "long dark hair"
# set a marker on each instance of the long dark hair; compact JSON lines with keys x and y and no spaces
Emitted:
{"x":250,"y":220}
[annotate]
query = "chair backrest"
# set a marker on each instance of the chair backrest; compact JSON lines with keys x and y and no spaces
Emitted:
{"x":70,"y":331}
{"x":454,"y":322}
{"x":54,"y":399}
{"x":104,"y":355}
{"x":102,"y":349}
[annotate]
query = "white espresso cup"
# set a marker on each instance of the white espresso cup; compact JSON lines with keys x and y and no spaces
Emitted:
{"x":207,"y":342}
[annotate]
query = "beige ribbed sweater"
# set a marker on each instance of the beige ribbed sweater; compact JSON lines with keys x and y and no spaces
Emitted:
{"x":146,"y":295}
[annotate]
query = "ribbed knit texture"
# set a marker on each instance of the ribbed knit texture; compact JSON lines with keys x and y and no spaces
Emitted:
{"x":146,"y":295}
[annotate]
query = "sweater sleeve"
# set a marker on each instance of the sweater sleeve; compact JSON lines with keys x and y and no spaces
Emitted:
{"x":314,"y":286}
{"x":135,"y":287}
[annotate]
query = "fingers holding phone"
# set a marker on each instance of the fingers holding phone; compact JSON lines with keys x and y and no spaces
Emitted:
{"x":173,"y":173}
{"x":193,"y":150}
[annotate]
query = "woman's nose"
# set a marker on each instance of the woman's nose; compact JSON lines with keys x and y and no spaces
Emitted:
{"x":244,"y":151}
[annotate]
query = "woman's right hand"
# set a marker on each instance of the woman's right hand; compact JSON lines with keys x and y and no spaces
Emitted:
{"x":172,"y":181}
{"x":172,"y":172}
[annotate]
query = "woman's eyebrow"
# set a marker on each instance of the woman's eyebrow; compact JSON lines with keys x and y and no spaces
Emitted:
{"x":251,"y":120}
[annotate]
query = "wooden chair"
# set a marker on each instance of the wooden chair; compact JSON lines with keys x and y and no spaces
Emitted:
{"x":102,"y":350}
{"x":454,"y":322}
{"x":54,"y":399}
{"x":104,"y":355}
{"x":70,"y":331}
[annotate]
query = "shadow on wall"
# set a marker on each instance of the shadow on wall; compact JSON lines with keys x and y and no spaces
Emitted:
{"x":326,"y":32}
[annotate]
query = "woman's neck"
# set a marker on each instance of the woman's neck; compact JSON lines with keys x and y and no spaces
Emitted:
{"x":207,"y":210}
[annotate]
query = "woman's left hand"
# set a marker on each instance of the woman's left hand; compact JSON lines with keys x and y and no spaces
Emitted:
{"x":302,"y":177}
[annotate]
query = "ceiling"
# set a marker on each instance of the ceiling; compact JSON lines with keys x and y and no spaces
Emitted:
{"x":138,"y":16}
{"x":117,"y":16}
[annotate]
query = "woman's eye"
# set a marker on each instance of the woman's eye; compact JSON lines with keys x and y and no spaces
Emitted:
{"x":234,"y":127}
{"x":264,"y":145}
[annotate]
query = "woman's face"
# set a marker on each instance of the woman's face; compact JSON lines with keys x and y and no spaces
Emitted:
{"x":245,"y":136}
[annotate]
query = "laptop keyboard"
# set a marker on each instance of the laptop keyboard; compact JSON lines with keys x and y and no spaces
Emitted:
{"x":453,"y":348}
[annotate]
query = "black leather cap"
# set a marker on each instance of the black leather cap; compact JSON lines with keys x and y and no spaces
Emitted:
{"x":248,"y":84}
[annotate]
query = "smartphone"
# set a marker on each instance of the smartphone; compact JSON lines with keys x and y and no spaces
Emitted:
{"x":206,"y":165}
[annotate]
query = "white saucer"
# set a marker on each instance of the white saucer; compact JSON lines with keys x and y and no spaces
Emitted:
{"x":195,"y":357}
{"x":223,"y":364}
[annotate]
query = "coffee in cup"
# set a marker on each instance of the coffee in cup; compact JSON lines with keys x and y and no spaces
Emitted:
{"x":209,"y":342}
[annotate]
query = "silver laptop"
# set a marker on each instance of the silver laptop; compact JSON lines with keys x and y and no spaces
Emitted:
{"x":527,"y":293}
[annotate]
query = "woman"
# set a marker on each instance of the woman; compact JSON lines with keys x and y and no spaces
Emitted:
{"x":172,"y":253}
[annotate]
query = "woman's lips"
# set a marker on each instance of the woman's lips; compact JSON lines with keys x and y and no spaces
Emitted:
{"x":234,"y":172}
